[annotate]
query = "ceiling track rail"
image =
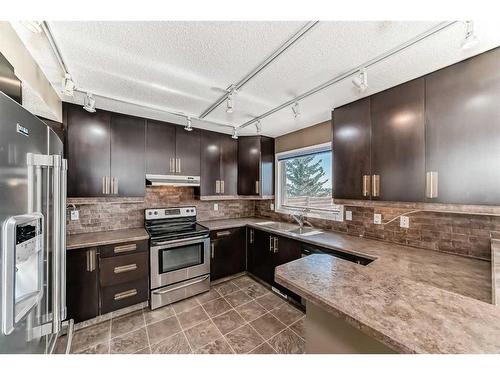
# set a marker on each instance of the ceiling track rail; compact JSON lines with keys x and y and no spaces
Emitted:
{"x":282,"y":49}
{"x":155,"y":108}
{"x":53,"y":45}
{"x":352,"y":71}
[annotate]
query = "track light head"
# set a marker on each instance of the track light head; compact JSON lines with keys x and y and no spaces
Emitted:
{"x":68,"y":85}
{"x":89,"y":103}
{"x":470,"y":39}
{"x":361,"y":80}
{"x":34,"y":26}
{"x":235,"y":133}
{"x":230,"y":98}
{"x":258,"y":126}
{"x":189,"y":124}
{"x":296,"y":109}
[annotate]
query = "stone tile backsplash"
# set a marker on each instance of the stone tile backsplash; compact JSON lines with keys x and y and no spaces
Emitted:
{"x":467,"y":235}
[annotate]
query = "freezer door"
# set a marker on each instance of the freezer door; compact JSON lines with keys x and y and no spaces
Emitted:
{"x":20,"y":133}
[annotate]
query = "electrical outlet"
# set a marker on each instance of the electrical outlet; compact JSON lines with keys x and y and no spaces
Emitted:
{"x":404,"y":222}
{"x":377,"y":218}
{"x":348,"y":215}
{"x":216,"y":206}
{"x":271,"y":206}
{"x":75,"y":215}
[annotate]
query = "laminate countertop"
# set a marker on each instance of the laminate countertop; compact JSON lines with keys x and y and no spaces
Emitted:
{"x":82,"y":240}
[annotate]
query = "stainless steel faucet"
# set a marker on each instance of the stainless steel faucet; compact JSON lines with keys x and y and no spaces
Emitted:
{"x":301,"y":218}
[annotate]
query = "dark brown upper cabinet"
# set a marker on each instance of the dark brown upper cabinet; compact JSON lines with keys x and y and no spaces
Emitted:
{"x":398,"y":143}
{"x":105,"y":151}
{"x":88,"y":151}
{"x":255,"y":165}
{"x":218,"y":164}
{"x":351,"y":150}
{"x":127,"y":156}
{"x":462,"y":130}
{"x":172,"y":150}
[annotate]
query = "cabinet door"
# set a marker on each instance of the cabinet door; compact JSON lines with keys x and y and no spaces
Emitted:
{"x":210,"y":162}
{"x":82,"y":286}
{"x":267,"y":166}
{"x":463,"y":122}
{"x":229,"y":164}
{"x":187,"y":151}
{"x":398,"y":142}
{"x":127,"y":156}
{"x":160,"y":147}
{"x":351,"y":149}
{"x":249,"y":165}
{"x":262,"y":262}
{"x":286,"y":250}
{"x":88,"y":151}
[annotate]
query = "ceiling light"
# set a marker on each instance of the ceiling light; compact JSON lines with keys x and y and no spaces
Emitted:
{"x":34,"y":26}
{"x":235,"y":133}
{"x":188,"y":126}
{"x":68,"y":85}
{"x":296,"y":109}
{"x":89,"y":103}
{"x":258,"y":126}
{"x":361,"y":80}
{"x":470,"y":40}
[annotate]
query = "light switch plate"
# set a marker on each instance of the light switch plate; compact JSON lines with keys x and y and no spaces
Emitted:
{"x":75,"y":215}
{"x":377,"y":218}
{"x":271,"y":206}
{"x":404,"y":222}
{"x":348,"y":215}
{"x":216,"y":206}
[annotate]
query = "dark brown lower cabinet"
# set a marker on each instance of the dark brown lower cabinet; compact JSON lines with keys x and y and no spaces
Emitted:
{"x":82,"y":284}
{"x":228,"y":253}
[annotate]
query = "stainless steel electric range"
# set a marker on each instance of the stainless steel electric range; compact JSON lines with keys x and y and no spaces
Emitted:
{"x":179,"y":254}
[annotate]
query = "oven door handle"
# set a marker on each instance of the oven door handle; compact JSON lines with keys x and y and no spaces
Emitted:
{"x":163,"y":291}
{"x":188,"y":240}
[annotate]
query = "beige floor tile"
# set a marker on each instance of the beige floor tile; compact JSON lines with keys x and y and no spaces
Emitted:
{"x":251,"y":310}
{"x":265,"y":348}
{"x":130,"y":342}
{"x":156,"y":315}
{"x":255,"y":290}
{"x":287,"y":342}
{"x":243,"y":281}
{"x":208,"y":296}
{"x":287,"y":314}
{"x":163,"y":329}
{"x":226,"y":288}
{"x":228,"y":321}
{"x":184,"y":305}
{"x":127,"y":323}
{"x":237,"y":298}
{"x":299,"y":327}
{"x":146,"y":350}
{"x":102,"y":348}
{"x":216,"y":307}
{"x":91,"y":336}
{"x":202,"y":334}
{"x":267,"y":325}
{"x":176,"y":344}
{"x":192,"y":317}
{"x":219,"y":346}
{"x":244,"y":339}
{"x":270,"y":300}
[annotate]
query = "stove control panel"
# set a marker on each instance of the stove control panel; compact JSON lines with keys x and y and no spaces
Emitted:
{"x":170,"y":212}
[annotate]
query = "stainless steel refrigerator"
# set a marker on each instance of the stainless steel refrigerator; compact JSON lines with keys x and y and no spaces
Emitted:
{"x":33,"y":232}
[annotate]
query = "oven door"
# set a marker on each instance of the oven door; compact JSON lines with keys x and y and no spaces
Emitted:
{"x":179,"y":260}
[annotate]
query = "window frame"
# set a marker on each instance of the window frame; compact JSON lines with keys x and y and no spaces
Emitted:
{"x":336,"y":213}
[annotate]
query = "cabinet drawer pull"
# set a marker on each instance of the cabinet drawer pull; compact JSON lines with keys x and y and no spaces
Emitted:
{"x":224,"y":233}
{"x":251,"y":235}
{"x":376,"y":185}
{"x":431,"y":185}
{"x":125,"y":248}
{"x":257,"y":187}
{"x":125,"y":294}
{"x":275,"y":250}
{"x":270,"y":244}
{"x":171,"y":165}
{"x":217,"y":187}
{"x":366,"y":185}
{"x":126,"y":268}
{"x":222,"y":186}
{"x":212,"y":250}
{"x":104,"y":184}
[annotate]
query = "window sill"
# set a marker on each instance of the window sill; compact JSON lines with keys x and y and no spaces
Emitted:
{"x":335,"y":215}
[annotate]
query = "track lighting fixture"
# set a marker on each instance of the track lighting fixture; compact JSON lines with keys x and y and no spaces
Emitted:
{"x":229,"y":101}
{"x":235,"y":133}
{"x":34,"y":26}
{"x":258,"y":126}
{"x":361,"y":80}
{"x":296,"y":109}
{"x":89,"y":103}
{"x":68,"y":85}
{"x":188,"y":126}
{"x":470,"y":40}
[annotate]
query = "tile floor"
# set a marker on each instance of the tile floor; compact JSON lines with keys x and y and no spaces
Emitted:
{"x":237,"y":316}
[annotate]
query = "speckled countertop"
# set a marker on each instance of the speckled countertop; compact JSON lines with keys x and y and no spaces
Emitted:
{"x":77,"y":241}
{"x":220,"y":224}
{"x":408,"y":316}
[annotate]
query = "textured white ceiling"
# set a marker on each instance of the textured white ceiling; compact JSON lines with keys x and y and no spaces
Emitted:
{"x":185,"y":66}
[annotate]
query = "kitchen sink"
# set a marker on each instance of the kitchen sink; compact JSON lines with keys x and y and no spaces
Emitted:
{"x":305,"y":231}
{"x":290,"y":228}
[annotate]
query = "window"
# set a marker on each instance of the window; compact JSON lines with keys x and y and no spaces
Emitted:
{"x":304,"y":182}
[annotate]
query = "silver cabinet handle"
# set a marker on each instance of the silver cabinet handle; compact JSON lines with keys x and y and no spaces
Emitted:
{"x":271,"y":244}
{"x":108,"y":190}
{"x":179,"y":161}
{"x":125,"y":294}
{"x":114,"y":185}
{"x":222,"y":186}
{"x":125,"y":248}
{"x":104,"y":184}
{"x":126,"y":268}
{"x":171,"y":165}
{"x":91,"y":259}
{"x":223,"y":234}
{"x":431,"y":185}
{"x":251,"y":235}
{"x":275,"y":250}
{"x":163,"y":291}
{"x":257,"y":187}
{"x":376,"y":185}
{"x":212,"y":250}
{"x":366,"y":185}
{"x":217,"y":187}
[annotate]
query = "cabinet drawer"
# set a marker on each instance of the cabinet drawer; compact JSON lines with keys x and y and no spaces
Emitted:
{"x":222,"y":233}
{"x":123,"y":248}
{"x":123,"y":269}
{"x":119,"y":296}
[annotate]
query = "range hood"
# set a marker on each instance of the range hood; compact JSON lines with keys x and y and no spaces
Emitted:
{"x":171,"y":180}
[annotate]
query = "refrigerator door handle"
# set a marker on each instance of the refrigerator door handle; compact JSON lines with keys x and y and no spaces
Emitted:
{"x":56,"y":235}
{"x":62,"y":232}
